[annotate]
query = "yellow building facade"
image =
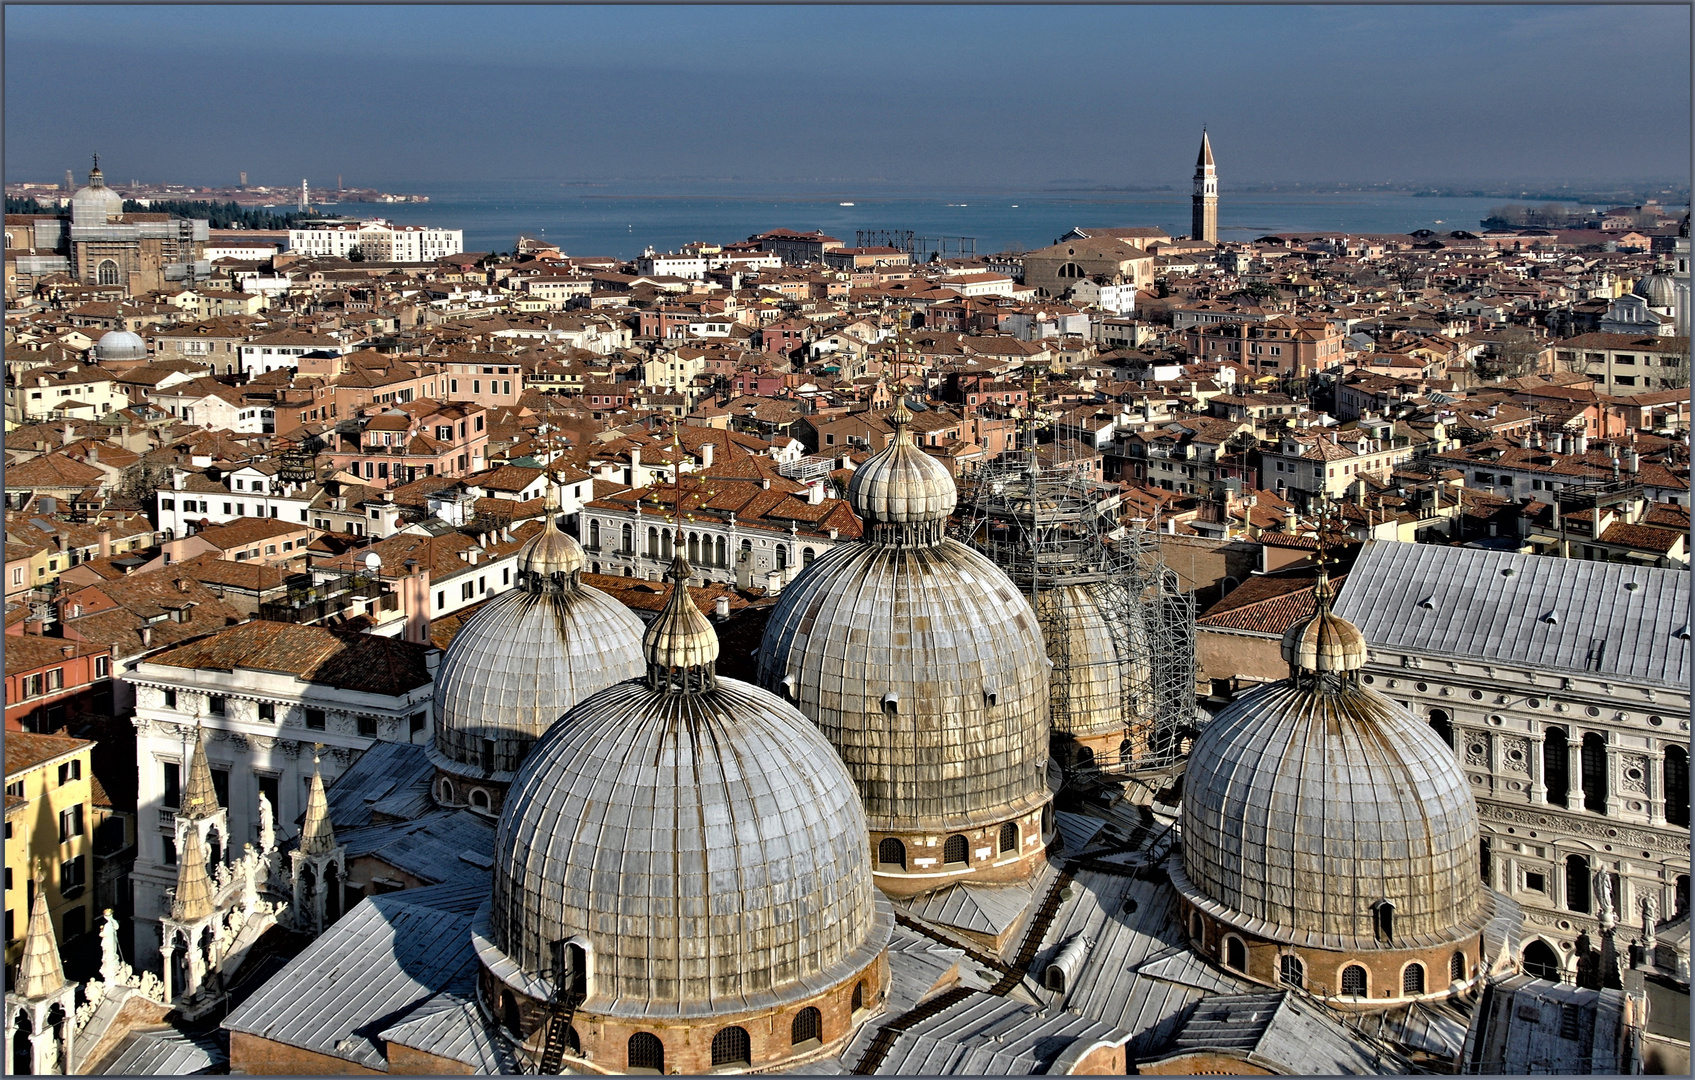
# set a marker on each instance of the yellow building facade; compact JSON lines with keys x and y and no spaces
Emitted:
{"x":50,"y":833}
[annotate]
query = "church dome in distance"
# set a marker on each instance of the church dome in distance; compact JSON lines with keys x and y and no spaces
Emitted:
{"x":96,"y":204}
{"x":120,"y":345}
{"x":1657,"y":288}
{"x":526,"y":658}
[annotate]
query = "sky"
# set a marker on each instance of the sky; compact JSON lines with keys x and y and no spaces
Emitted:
{"x":391,"y":96}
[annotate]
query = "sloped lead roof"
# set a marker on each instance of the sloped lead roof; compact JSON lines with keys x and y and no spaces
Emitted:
{"x":1462,"y":603}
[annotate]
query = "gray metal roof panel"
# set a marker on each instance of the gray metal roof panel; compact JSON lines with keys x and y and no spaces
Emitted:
{"x":383,"y":771}
{"x":381,"y":961}
{"x":1461,"y":603}
{"x":451,"y":1026}
{"x":167,"y":1053}
{"x":429,"y":847}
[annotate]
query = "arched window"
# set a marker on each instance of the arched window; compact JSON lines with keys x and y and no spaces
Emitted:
{"x":652,"y":542}
{"x":1353,"y":981}
{"x":1383,"y":921}
{"x":1556,"y":765}
{"x":594,"y":535}
{"x":576,"y":964}
{"x":1680,"y":895}
{"x":628,"y":537}
{"x":1456,"y":967}
{"x":718,"y":552}
{"x":731,"y":1047}
{"x":573,"y":1041}
{"x":479,"y":798}
{"x":892,"y":852}
{"x":1677,"y":786}
{"x":1290,"y":970}
{"x":1541,"y":961}
{"x":666,"y":550}
{"x":108,"y":272}
{"x":22,"y":1063}
{"x":1577,"y":883}
{"x":509,"y":1013}
{"x":446,"y":790}
{"x":1594,"y":760}
{"x":782,"y":556}
{"x":1485,"y":865}
{"x":807,"y":1028}
{"x":1412,"y":979}
{"x":1235,"y":953}
{"x":1009,"y":836}
{"x":858,"y":1001}
{"x":694,"y":549}
{"x":953,"y":850}
{"x":1070,"y":270}
{"x":806,"y":557}
{"x":646,"y":1054}
{"x":1442,"y":724}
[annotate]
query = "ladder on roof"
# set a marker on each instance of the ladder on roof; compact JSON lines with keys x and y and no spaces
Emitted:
{"x":559,"y":1019}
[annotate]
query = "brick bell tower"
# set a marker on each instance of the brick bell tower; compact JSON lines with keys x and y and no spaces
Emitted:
{"x":1205,"y":199}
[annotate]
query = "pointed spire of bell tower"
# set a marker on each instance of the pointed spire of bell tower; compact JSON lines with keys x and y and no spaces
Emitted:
{"x":1204,"y":202}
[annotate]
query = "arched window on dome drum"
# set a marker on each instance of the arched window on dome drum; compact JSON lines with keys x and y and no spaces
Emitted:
{"x":807,"y":1028}
{"x":1456,"y":967}
{"x":488,"y":752}
{"x":892,"y":852}
{"x":731,"y":1047}
{"x":858,"y":1001}
{"x":1442,"y":724}
{"x":446,"y":790}
{"x":1594,"y":761}
{"x":1235,"y":954}
{"x":1556,"y":765}
{"x":1009,"y":836}
{"x":629,"y":539}
{"x":509,"y":1013}
{"x":1353,"y":981}
{"x":953,"y":850}
{"x":1412,"y":979}
{"x":1541,"y":962}
{"x":645,"y":1054}
{"x":108,"y":273}
{"x":1577,"y":884}
{"x":479,"y":798}
{"x":1677,"y":786}
{"x":1290,"y":970}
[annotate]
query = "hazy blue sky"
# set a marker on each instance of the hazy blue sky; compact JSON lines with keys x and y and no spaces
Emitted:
{"x":1022,"y":95}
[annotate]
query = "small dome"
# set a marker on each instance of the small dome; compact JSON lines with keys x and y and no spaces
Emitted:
{"x":1658,"y":289}
{"x":680,"y":637}
{"x":1324,"y":641}
{"x":120,"y":345}
{"x":525,"y":659}
{"x":551,"y":552}
{"x":705,"y":844}
{"x":901,"y":484}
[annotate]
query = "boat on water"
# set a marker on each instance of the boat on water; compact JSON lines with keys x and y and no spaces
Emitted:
{"x":844,"y":204}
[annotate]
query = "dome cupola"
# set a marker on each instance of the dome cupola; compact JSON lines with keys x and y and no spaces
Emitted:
{"x":923,"y":665}
{"x":520,"y":663}
{"x":120,"y":345}
{"x":680,"y":856}
{"x":1324,"y":644}
{"x":1658,"y":290}
{"x":96,"y":204}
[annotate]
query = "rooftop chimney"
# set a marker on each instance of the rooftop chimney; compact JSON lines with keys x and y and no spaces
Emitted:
{"x":721,"y":607}
{"x":706,"y":452}
{"x":105,"y":543}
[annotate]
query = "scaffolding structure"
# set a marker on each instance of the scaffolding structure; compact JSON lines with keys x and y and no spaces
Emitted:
{"x":1122,"y":703}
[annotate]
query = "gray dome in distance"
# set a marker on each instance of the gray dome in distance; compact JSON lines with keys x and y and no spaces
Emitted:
{"x":1658,"y":289}
{"x":96,"y":204}
{"x":699,"y":834}
{"x":526,"y":658}
{"x":918,"y":659}
{"x":1310,"y":802}
{"x":120,"y":345}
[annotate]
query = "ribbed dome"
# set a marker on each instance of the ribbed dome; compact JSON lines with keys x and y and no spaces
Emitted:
{"x":1304,"y":806}
{"x":924,"y":667}
{"x":707,"y":845}
{"x":680,"y":637}
{"x":522,"y":661}
{"x":1325,"y":642}
{"x":901,"y":484}
{"x":1658,"y":289}
{"x":1103,"y":673}
{"x":96,"y":204}
{"x":120,"y":345}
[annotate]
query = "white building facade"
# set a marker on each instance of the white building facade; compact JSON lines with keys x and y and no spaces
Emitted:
{"x":378,"y":240}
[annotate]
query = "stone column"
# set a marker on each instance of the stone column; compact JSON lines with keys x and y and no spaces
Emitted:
{"x":169,"y":952}
{"x":1654,"y":776}
{"x":1615,"y":803}
{"x":1574,"y":769}
{"x":1538,"y":780}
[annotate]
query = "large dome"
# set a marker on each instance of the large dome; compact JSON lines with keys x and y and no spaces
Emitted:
{"x":120,"y":345}
{"x":917,"y":657}
{"x":1105,"y":669}
{"x":526,"y":658}
{"x":96,"y":204}
{"x":1310,"y":803}
{"x":698,"y":835}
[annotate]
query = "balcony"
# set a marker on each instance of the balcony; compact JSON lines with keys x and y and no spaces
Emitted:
{"x":167,"y":821}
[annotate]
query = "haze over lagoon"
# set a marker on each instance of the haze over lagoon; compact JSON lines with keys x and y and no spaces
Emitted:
{"x":603,"y":220}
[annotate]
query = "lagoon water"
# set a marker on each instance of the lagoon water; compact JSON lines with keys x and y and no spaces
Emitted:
{"x":617,"y":219}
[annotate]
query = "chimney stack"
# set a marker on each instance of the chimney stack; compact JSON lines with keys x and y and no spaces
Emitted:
{"x":721,"y":607}
{"x":1582,"y":442}
{"x":105,"y":543}
{"x":706,"y":451}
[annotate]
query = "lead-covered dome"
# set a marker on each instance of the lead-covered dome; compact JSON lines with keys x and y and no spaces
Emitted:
{"x":696,"y":836}
{"x":1314,"y":805}
{"x":918,"y":659}
{"x":526,"y":658}
{"x":120,"y":345}
{"x":96,"y":204}
{"x":1658,"y":289}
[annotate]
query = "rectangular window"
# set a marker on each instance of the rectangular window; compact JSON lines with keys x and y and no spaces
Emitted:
{"x":227,"y":509}
{"x":170,"y":843}
{"x":368,"y":726}
{"x":221,"y":785}
{"x":170,"y":699}
{"x":70,"y":823}
{"x":69,"y":771}
{"x":268,"y":787}
{"x":55,"y":679}
{"x":267,"y":710}
{"x":476,"y":386}
{"x":167,"y":504}
{"x":102,"y":667}
{"x":217,"y":704}
{"x":441,"y":598}
{"x":416,"y":724}
{"x":73,"y":876}
{"x":172,"y":797}
{"x":466,"y":590}
{"x":315,"y":719}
